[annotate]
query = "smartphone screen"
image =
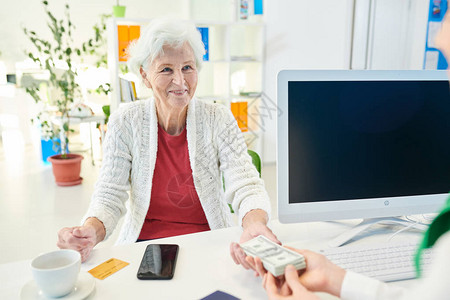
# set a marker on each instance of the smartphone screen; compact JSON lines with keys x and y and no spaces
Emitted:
{"x":158,"y":262}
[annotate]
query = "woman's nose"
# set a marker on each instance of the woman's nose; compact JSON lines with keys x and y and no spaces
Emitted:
{"x":178,"y":77}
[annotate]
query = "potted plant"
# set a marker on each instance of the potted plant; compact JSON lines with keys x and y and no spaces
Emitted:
{"x":57,"y":56}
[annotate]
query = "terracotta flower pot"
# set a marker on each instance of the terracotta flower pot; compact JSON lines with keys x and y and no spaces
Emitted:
{"x":66,"y":170}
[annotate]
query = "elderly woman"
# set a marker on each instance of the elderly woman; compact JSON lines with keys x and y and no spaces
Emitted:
{"x":170,"y":152}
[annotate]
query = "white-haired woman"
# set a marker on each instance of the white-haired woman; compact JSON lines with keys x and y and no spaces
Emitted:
{"x":170,"y":152}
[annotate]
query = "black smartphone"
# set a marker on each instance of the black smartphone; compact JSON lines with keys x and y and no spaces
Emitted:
{"x":158,"y":262}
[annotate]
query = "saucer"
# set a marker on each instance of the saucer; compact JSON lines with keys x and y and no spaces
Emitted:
{"x":83,"y":288}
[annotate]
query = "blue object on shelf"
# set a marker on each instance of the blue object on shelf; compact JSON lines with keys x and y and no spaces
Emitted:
{"x":258,"y":6}
{"x":433,"y":58}
{"x":204,"y":31}
{"x":49,"y":148}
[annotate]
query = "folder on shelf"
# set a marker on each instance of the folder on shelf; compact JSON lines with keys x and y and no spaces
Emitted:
{"x":240,"y":112}
{"x":204,"y":31}
{"x":123,"y":37}
{"x":258,"y":7}
{"x":134,"y":32}
{"x":126,"y":34}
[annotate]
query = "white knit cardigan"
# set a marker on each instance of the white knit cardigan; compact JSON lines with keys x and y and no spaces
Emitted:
{"x":216,"y":146}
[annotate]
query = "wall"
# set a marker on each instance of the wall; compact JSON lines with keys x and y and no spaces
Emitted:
{"x":16,"y":14}
{"x":302,"y":35}
{"x":399,"y":34}
{"x":317,"y":35}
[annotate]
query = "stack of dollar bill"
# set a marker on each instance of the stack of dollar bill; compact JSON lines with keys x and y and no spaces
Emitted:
{"x":274,"y":257}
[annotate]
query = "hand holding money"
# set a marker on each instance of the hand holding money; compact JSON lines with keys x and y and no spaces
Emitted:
{"x":274,"y":257}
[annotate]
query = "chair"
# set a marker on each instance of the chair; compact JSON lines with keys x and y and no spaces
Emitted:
{"x":256,"y":160}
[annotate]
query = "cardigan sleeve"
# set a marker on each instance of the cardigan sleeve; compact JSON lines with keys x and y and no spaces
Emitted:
{"x":110,"y":193}
{"x":244,"y":189}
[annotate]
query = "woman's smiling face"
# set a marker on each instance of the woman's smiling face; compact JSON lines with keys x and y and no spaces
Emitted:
{"x":173,"y":77}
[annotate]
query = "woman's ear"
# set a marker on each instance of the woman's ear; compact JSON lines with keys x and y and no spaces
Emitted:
{"x":144,"y":77}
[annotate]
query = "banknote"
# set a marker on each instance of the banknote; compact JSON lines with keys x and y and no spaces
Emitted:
{"x":274,"y":257}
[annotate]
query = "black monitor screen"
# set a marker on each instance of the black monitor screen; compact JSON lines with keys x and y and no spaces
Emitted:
{"x":368,"y":139}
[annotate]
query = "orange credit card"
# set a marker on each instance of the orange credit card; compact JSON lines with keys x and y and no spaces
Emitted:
{"x":108,"y":268}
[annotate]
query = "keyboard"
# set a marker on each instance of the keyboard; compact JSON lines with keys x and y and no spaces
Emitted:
{"x":385,"y":262}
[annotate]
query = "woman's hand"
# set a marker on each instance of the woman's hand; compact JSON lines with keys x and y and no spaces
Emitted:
{"x":287,"y":286}
{"x":82,"y":238}
{"x":253,"y":224}
{"x":320,"y":275}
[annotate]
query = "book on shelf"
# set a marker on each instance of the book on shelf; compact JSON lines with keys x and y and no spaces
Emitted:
{"x":127,"y":90}
{"x":243,"y":9}
{"x":204,"y":31}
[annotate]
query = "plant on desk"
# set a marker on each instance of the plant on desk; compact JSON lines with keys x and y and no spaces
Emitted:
{"x":57,"y":56}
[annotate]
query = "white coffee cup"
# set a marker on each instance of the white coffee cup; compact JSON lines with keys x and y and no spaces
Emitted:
{"x":56,"y":272}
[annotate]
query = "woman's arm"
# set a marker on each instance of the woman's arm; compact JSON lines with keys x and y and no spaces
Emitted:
{"x":244,"y":189}
{"x":111,"y":190}
{"x":107,"y":204}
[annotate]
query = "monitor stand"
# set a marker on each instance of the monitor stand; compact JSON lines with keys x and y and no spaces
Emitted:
{"x":366,"y":223}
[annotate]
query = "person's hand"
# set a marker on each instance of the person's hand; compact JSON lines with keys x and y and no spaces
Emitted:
{"x":82,"y":238}
{"x":320,"y":274}
{"x":79,"y":238}
{"x":254,"y":224}
{"x":287,"y":286}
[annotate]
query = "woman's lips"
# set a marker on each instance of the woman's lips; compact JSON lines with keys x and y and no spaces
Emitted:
{"x":178,"y":92}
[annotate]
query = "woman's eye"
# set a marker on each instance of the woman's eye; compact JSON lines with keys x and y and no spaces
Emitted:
{"x":187,"y":68}
{"x":166,"y":70}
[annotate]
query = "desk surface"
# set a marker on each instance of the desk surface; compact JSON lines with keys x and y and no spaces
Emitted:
{"x":204,"y":264}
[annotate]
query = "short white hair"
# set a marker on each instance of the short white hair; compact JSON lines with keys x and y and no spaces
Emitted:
{"x":161,"y":32}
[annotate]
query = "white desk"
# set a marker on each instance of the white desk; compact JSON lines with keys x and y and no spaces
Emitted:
{"x":204,"y":264}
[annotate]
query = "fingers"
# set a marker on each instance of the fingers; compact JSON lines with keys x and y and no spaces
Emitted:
{"x":301,"y":251}
{"x":270,"y":235}
{"x":259,"y":267}
{"x":269,"y":283}
{"x":82,"y":232}
{"x":76,"y":238}
{"x":233,"y":256}
{"x":251,"y":261}
{"x":85,"y":253}
{"x":291,"y":277}
{"x":239,"y":256}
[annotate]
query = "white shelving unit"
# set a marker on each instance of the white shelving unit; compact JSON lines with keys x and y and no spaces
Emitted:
{"x":233,"y":72}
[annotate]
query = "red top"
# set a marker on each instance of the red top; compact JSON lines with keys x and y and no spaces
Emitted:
{"x":174,"y":207}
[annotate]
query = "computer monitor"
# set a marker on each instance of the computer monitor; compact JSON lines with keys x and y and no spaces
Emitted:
{"x":362,"y":144}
